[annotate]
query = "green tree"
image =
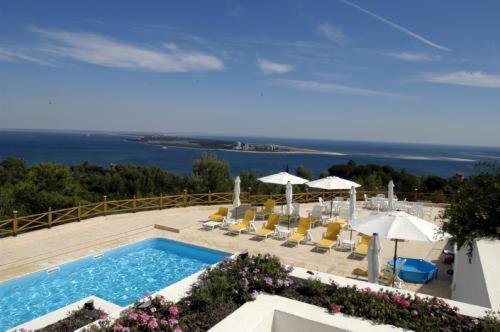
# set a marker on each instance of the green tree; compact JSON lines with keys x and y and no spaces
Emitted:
{"x":474,"y":212}
{"x":210,"y":174}
{"x":304,"y":173}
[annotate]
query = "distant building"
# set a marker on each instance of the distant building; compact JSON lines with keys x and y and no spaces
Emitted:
{"x":238,"y":145}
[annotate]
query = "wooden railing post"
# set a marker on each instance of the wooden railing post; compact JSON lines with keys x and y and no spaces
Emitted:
{"x":14,"y":224}
{"x":307,"y":195}
{"x":49,"y":217}
{"x":209,"y":197}
{"x":185,"y":198}
{"x":105,"y":205}
{"x":134,"y":203}
{"x":79,"y":212}
{"x":161,"y":201}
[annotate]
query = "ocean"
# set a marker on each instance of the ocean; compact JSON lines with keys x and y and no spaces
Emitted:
{"x":105,"y":149}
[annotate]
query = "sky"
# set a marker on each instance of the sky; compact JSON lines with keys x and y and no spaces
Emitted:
{"x":397,"y":71}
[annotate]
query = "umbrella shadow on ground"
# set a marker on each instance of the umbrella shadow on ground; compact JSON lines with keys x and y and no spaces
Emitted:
{"x":355,"y":257}
{"x":257,"y":238}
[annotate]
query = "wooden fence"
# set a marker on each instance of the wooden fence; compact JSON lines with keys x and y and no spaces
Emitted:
{"x":18,"y":224}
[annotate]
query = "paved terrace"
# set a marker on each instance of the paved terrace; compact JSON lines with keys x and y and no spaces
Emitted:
{"x":45,"y":248}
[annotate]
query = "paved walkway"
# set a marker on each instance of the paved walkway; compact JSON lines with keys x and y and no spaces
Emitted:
{"x":42,"y":249}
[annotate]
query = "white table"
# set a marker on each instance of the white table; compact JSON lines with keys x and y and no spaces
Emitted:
{"x":281,"y":232}
{"x":347,"y":244}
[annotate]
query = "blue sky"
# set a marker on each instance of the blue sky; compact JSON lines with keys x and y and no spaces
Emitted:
{"x":398,"y":71}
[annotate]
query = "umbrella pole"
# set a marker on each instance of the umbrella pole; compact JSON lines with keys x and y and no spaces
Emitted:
{"x":394,"y":261}
{"x":331,"y":207}
{"x":289,"y":221}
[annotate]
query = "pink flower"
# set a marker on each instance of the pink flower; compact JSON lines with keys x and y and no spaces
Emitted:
{"x":178,"y":330}
{"x":405,"y":303}
{"x":396,"y":299}
{"x":103,"y":317}
{"x":337,"y":308}
{"x":117,"y":328}
{"x":163,"y":322}
{"x":385,"y":296}
{"x":367,"y":290}
{"x":173,"y":321}
{"x":153,"y":324}
{"x":173,"y":310}
{"x":417,"y":297}
{"x":133,"y":315}
{"x":414,"y":313}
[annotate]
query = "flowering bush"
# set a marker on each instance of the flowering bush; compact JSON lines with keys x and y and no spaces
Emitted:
{"x":75,"y":320}
{"x":152,"y":313}
{"x":391,"y":307}
{"x":221,"y":290}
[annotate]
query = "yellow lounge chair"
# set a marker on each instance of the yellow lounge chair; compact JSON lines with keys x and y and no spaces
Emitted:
{"x":219,"y":215}
{"x":302,"y":232}
{"x":268,"y":229}
{"x":329,"y":237}
{"x":267,"y":209}
{"x":341,"y":222}
{"x":246,"y":224}
{"x":362,"y":247}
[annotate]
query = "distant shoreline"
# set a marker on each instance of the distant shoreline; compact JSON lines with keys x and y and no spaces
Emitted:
{"x":166,"y":142}
{"x":298,"y":151}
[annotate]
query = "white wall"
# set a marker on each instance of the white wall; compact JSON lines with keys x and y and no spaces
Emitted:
{"x":469,"y":284}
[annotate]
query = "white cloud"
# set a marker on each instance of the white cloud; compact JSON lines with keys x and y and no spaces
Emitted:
{"x":466,"y":78}
{"x":315,"y":86}
{"x":104,"y":51}
{"x":268,"y":67}
{"x":11,"y":56}
{"x":331,"y":32}
{"x":413,"y":57}
{"x":396,"y":26}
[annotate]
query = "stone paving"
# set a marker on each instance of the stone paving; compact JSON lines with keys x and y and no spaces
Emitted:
{"x":45,"y":248}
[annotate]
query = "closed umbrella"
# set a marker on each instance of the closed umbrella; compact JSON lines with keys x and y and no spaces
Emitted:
{"x":236,"y":200}
{"x":390,"y":196}
{"x":398,"y":226}
{"x":332,"y":183}
{"x":374,"y":250}
{"x":352,"y":206}
{"x":289,"y":199}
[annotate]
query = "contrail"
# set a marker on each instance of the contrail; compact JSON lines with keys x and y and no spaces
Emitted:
{"x":396,"y":26}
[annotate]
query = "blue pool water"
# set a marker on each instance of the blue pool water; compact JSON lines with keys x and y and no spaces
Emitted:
{"x":120,"y":276}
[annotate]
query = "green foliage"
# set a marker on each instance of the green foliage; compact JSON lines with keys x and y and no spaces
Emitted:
{"x":75,"y":320}
{"x":310,"y":287}
{"x":474,"y":212}
{"x":210,"y":174}
{"x":304,"y":173}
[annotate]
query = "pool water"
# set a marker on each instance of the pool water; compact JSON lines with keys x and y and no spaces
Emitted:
{"x":120,"y":276}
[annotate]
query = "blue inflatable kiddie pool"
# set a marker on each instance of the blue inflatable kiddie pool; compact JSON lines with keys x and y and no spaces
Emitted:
{"x":415,"y":270}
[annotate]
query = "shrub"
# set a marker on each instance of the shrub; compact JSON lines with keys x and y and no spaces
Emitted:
{"x":75,"y":320}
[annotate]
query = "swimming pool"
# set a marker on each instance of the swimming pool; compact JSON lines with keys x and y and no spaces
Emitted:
{"x":120,"y":276}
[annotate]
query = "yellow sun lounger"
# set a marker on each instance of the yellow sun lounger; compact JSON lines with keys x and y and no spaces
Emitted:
{"x":362,"y":247}
{"x":268,"y":229}
{"x":302,"y":232}
{"x":246,"y":224}
{"x":219,"y":215}
{"x":329,"y":237}
{"x":267,"y":209}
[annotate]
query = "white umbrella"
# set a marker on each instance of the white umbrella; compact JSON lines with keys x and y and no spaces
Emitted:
{"x":236,"y":200}
{"x":398,"y":225}
{"x":390,"y":196}
{"x":289,"y":199}
{"x":374,"y":249}
{"x":282,"y":178}
{"x":332,"y":183}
